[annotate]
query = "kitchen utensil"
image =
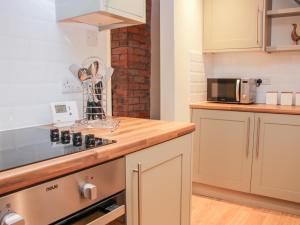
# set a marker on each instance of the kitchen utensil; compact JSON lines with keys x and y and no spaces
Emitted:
{"x":94,"y":68}
{"x":94,"y":77}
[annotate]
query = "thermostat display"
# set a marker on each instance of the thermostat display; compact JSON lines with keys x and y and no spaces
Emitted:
{"x":64,"y":113}
{"x":60,"y":108}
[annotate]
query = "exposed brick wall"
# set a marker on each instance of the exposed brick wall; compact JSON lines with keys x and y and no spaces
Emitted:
{"x":131,"y":59}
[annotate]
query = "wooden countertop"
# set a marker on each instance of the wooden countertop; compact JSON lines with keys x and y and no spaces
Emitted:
{"x":132,"y":135}
{"x":257,"y":108}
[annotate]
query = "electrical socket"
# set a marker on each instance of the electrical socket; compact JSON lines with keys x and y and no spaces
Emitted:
{"x":71,"y":86}
{"x":266,"y":81}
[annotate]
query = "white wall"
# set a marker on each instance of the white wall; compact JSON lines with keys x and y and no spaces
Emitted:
{"x":155,"y":61}
{"x":181,"y":47}
{"x":35,"y":53}
{"x":283,"y":69}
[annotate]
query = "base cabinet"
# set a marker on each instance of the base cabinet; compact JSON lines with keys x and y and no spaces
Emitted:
{"x":276,"y":162}
{"x":158,"y":184}
{"x":223,"y":148}
{"x":255,"y":153}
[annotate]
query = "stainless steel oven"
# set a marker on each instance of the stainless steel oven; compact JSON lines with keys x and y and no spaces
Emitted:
{"x":230,"y":90}
{"x":108,"y":212}
{"x":94,"y":196}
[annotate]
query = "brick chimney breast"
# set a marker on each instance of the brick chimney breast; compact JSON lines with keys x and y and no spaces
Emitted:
{"x":131,"y":59}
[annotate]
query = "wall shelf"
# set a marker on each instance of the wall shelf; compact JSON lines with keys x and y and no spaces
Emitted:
{"x":277,"y":32}
{"x":287,"y":48}
{"x":284,"y":12}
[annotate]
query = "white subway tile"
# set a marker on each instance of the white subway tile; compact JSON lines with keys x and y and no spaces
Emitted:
{"x":35,"y":55}
{"x":282,"y":68}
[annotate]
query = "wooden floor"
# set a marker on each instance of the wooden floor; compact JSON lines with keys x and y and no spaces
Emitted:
{"x":207,"y":211}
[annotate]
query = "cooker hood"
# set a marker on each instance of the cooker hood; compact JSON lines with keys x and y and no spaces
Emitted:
{"x":105,"y":14}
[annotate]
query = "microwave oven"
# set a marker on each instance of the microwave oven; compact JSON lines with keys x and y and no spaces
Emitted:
{"x":231,"y":90}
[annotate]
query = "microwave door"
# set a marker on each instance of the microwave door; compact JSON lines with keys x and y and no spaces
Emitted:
{"x":223,"y":90}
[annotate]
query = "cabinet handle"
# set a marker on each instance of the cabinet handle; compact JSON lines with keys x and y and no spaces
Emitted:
{"x":139,"y":172}
{"x":257,"y":25}
{"x":257,"y":138}
{"x":248,"y":137}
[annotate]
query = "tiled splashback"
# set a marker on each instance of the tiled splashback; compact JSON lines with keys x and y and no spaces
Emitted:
{"x":197,"y":78}
{"x":35,"y":53}
{"x":281,"y":69}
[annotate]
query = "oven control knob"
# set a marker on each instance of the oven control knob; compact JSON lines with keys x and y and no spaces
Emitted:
{"x":54,"y":135}
{"x":77,"y":139}
{"x":65,"y":137}
{"x":89,"y":191}
{"x":12,"y":219}
{"x":90,"y":140}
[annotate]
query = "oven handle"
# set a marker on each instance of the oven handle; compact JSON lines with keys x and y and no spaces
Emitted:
{"x":237,"y":90}
{"x":109,"y":217}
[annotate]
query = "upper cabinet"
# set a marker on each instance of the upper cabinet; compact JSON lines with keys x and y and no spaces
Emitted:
{"x":231,"y":25}
{"x":105,"y":14}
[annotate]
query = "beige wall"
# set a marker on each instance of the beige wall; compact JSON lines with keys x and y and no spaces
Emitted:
{"x":155,"y":61}
{"x":181,"y":34}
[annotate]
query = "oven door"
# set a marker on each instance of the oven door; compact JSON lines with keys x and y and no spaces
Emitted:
{"x":108,"y":212}
{"x":223,"y":90}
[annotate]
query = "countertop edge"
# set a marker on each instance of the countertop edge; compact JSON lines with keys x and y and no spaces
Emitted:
{"x":27,"y":176}
{"x":255,"y":108}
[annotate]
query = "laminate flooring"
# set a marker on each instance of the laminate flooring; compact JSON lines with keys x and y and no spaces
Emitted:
{"x":206,"y":211}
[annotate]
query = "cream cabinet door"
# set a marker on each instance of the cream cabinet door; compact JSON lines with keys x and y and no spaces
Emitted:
{"x":223,"y":148}
{"x":128,"y":8}
{"x":158,"y":192}
{"x":276,"y":162}
{"x":232,"y":24}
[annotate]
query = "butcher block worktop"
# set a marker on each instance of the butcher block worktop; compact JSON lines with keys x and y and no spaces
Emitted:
{"x":257,"y":108}
{"x":132,"y":135}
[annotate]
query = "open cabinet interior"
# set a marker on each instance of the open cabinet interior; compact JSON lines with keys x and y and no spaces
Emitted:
{"x":279,"y":17}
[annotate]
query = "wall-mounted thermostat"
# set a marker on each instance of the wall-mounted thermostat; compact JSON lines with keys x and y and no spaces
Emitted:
{"x":64,"y":113}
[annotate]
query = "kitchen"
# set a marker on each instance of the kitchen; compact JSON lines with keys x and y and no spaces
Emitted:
{"x":67,"y":66}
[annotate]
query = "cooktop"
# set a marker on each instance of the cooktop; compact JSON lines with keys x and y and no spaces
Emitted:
{"x":30,"y":145}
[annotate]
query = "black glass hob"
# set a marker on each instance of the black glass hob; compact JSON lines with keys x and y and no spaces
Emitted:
{"x":30,"y":145}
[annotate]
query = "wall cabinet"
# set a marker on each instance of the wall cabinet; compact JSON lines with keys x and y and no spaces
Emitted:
{"x":234,"y":150}
{"x":134,"y":9}
{"x":223,"y":148}
{"x":105,"y":14}
{"x":158,"y":184}
{"x":276,"y":162}
{"x":231,"y":25}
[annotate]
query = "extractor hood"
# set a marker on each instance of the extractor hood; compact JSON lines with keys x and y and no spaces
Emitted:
{"x":105,"y":14}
